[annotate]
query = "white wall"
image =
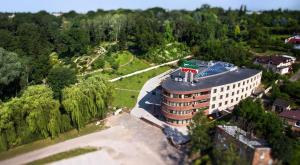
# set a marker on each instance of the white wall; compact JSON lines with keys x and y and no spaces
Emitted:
{"x":239,"y":93}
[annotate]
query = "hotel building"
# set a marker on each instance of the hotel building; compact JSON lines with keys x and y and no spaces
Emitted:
{"x":209,"y":87}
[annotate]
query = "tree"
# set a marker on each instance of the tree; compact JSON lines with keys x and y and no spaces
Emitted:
{"x":33,"y":115}
{"x":228,"y":155}
{"x":252,"y":117}
{"x":60,"y":77}
{"x":237,"y":31}
{"x":43,"y":110}
{"x":200,"y":133}
{"x":86,"y":100}
{"x":12,"y":73}
{"x":168,"y":32}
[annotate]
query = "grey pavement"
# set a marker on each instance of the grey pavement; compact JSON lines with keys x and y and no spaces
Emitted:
{"x":127,"y":141}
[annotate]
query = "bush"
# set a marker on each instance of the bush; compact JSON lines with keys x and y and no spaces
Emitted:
{"x":99,"y":63}
{"x":168,"y":52}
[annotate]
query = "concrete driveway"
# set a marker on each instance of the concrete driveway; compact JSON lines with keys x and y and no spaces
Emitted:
{"x":127,"y":141}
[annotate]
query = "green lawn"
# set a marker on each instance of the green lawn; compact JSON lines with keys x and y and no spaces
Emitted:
{"x":63,"y":155}
{"x":123,"y":57}
{"x":128,"y":99}
{"x":128,"y":64}
{"x":47,"y":142}
{"x":135,"y":65}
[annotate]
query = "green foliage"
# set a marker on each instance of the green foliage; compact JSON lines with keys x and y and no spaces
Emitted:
{"x":60,"y":77}
{"x":229,"y":155}
{"x":168,"y":52}
{"x":237,"y":31}
{"x":269,"y":77}
{"x":200,"y":132}
{"x":276,"y":93}
{"x":99,"y":63}
{"x":252,"y":117}
{"x":168,"y":32}
{"x":296,"y":154}
{"x":87,"y":100}
{"x":12,"y":73}
{"x":292,"y":89}
{"x":34,"y":114}
{"x":229,"y":51}
{"x":53,"y":59}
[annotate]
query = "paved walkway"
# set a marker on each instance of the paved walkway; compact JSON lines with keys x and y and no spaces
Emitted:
{"x":130,"y":90}
{"x":127,"y":141}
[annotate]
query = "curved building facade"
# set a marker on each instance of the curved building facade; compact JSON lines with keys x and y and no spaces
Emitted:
{"x":215,"y":86}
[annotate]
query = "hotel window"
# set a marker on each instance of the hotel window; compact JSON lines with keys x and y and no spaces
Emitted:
{"x":226,"y":102}
{"x":220,"y":104}
{"x":233,"y":86}
{"x":236,"y":99}
{"x":215,"y":90}
{"x":239,"y":84}
{"x":222,"y":89}
{"x":241,"y":97}
{"x":238,"y":91}
{"x":214,"y":98}
{"x":232,"y":93}
{"x":213,"y":106}
{"x":228,"y":87}
{"x":221,"y":97}
{"x":247,"y":81}
{"x":242,"y":89}
{"x":246,"y":88}
{"x":231,"y":100}
{"x":243,"y":82}
{"x":227,"y":95}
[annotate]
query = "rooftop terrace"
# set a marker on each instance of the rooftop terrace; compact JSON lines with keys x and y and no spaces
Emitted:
{"x":210,"y":74}
{"x":211,"y":68}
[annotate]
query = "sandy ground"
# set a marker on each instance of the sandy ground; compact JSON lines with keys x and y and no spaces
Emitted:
{"x":127,"y":141}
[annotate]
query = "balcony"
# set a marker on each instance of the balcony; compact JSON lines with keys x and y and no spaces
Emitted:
{"x":177,"y":116}
{"x":201,"y":105}
{"x":177,"y":108}
{"x":188,"y":107}
{"x":188,"y":99}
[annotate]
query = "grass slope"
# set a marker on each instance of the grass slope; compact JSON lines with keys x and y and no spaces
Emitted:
{"x":135,"y":83}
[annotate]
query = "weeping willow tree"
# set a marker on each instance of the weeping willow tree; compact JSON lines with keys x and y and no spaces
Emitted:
{"x":33,"y":115}
{"x":86,"y":100}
